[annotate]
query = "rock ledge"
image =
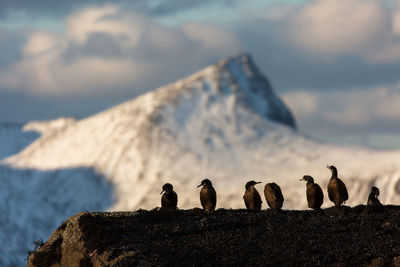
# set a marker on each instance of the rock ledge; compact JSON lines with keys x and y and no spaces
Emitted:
{"x":345,"y":237}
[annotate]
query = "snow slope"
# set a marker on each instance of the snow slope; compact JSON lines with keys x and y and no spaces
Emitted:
{"x":33,"y":202}
{"x":224,"y":123}
{"x":13,"y":138}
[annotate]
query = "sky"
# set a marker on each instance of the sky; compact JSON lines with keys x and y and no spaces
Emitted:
{"x":335,"y":63}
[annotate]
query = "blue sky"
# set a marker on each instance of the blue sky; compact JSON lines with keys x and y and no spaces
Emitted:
{"x":335,"y":63}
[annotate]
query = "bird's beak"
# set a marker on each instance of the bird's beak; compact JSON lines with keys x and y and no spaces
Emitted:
{"x":162,"y":192}
{"x":302,"y":179}
{"x":199,"y":185}
{"x":258,"y":182}
{"x":327,"y":166}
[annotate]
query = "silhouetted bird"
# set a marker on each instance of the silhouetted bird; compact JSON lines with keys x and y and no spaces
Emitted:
{"x":337,"y":190}
{"x":315,"y":196}
{"x":273,"y":195}
{"x":208,"y":196}
{"x":251,"y":197}
{"x":373,"y":197}
{"x":169,"y":199}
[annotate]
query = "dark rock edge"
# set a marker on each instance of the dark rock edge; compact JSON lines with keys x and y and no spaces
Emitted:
{"x":359,"y":236}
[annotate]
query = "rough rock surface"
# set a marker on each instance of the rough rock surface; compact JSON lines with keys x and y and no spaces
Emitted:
{"x":339,"y":237}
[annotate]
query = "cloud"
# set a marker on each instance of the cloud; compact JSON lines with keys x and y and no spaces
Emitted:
{"x":368,"y":29}
{"x":366,"y":106}
{"x":339,"y":26}
{"x":302,"y":103}
{"x":347,"y":108}
{"x":358,"y":116}
{"x":56,"y":8}
{"x":317,"y":45}
{"x":11,"y":42}
{"x":170,"y":7}
{"x":141,"y":47}
{"x":107,"y":48}
{"x":293,"y":59}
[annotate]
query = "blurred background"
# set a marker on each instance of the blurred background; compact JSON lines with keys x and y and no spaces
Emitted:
{"x":336,"y":64}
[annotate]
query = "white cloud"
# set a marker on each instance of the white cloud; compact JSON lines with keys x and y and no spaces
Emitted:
{"x":362,"y":106}
{"x":365,"y":28}
{"x":40,"y":42}
{"x":80,"y":59}
{"x":107,"y":19}
{"x":348,"y":107}
{"x":208,"y":35}
{"x":302,"y":103}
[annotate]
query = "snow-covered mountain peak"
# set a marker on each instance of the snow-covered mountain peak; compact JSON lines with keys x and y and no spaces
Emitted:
{"x":230,"y":84}
{"x":253,"y":89}
{"x":237,"y":80}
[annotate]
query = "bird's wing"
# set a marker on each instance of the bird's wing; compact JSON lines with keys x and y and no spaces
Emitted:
{"x":176,"y":199}
{"x":319,"y":195}
{"x":163,"y":201}
{"x":269,"y":193}
{"x":319,"y":191}
{"x":278,"y":193}
{"x":343,"y":189}
{"x":213,"y":196}
{"x":331,"y":190}
{"x":310,"y":193}
{"x":245,"y":198}
{"x":203,"y":197}
{"x":257,"y":196}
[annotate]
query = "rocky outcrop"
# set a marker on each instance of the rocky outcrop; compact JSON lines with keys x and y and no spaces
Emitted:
{"x":345,"y":237}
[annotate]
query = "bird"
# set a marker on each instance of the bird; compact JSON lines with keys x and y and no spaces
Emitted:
{"x":208,"y":196}
{"x":251,"y":197}
{"x":273,"y":195}
{"x":337,"y":190}
{"x":315,"y":196}
{"x":373,"y":197}
{"x":169,"y":199}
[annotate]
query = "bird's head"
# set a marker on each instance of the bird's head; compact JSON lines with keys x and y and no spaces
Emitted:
{"x":375,"y":191}
{"x":251,"y":183}
{"x":205,"y":182}
{"x":307,"y":178}
{"x":333,"y":170}
{"x":167,"y":188}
